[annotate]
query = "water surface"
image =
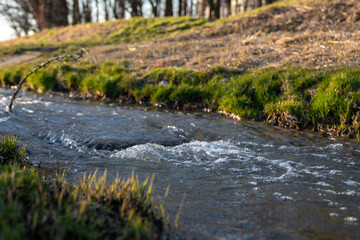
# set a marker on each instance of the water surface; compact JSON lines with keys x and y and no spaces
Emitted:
{"x":242,"y":180}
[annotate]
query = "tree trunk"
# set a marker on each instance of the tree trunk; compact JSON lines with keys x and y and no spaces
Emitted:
{"x":119,"y":9}
{"x":155,"y":4}
{"x":200,"y":8}
{"x":244,"y":5}
{"x":217,"y":9}
{"x":106,"y":10}
{"x":228,"y":2}
{"x":86,"y":10}
{"x":214,"y":9}
{"x":185,"y":7}
{"x":76,"y":13}
{"x":136,"y":8}
{"x":180,"y":8}
{"x":49,"y":13}
{"x":191,"y":8}
{"x":168,"y":8}
{"x":97,"y":10}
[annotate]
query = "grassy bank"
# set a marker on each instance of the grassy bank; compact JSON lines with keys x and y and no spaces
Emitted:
{"x":133,"y":30}
{"x":91,"y":209}
{"x":323,"y":100}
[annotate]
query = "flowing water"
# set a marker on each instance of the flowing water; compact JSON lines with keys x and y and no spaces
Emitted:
{"x":242,"y":180}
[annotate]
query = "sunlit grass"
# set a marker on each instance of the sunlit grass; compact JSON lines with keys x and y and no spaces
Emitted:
{"x":318,"y":99}
{"x":135,"y":29}
{"x":132,"y":30}
{"x":93,"y":208}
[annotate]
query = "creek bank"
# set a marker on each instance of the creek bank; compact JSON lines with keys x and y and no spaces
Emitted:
{"x":326,"y":101}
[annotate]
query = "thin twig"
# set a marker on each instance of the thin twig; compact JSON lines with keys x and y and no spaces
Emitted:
{"x":58,"y":58}
{"x":83,"y":50}
{"x":81,"y":64}
{"x":62,"y":75}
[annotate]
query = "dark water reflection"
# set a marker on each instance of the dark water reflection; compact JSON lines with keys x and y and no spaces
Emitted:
{"x":243,"y":180}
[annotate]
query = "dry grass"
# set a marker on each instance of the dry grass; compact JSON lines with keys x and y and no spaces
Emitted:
{"x":315,"y":34}
{"x":324,"y":35}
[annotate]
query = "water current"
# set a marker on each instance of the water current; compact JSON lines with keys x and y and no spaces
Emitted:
{"x":242,"y":179}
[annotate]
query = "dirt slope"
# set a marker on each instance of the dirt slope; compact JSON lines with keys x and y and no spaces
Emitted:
{"x":324,"y":35}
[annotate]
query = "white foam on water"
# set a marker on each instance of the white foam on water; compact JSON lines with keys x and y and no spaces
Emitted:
{"x":236,"y":169}
{"x":350,"y":219}
{"x":218,"y":155}
{"x":287,"y":198}
{"x":324,"y":184}
{"x":4,"y":119}
{"x":351,"y":183}
{"x":334,"y":172}
{"x":347,"y":192}
{"x":208,"y":154}
{"x":221,"y":160}
{"x":319,"y":155}
{"x":27,"y":110}
{"x":148,"y":151}
{"x":333,"y":214}
{"x":65,"y":139}
{"x":335,"y":146}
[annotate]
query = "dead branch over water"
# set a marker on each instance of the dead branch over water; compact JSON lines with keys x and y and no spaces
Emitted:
{"x":59,"y":59}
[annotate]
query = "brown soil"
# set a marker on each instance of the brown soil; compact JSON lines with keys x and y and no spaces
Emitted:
{"x":325,"y":35}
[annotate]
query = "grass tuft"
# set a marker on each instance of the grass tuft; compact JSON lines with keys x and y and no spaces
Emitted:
{"x":11,"y":152}
{"x":90,"y":209}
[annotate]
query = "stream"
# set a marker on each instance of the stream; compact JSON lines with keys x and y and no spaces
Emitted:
{"x":242,"y":179}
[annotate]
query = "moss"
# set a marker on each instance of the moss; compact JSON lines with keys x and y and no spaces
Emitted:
{"x":187,"y":94}
{"x":43,"y":80}
{"x":90,"y":209}
{"x":162,"y":94}
{"x":11,"y":75}
{"x":320,"y":99}
{"x":172,"y":75}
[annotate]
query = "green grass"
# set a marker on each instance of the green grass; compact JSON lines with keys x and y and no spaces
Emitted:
{"x":11,"y":153}
{"x":31,"y":208}
{"x":319,"y":99}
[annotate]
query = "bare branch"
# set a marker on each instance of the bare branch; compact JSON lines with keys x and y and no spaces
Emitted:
{"x":81,"y":64}
{"x":62,"y":74}
{"x":83,"y":50}
{"x":44,"y":64}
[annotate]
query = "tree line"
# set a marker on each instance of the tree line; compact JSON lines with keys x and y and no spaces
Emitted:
{"x":25,"y":16}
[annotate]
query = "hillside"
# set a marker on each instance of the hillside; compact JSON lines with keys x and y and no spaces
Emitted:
{"x":304,"y":33}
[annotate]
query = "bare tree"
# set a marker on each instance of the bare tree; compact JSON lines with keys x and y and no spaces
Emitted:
{"x":49,"y":14}
{"x":214,"y":9}
{"x":136,"y":8}
{"x":182,"y":7}
{"x":76,"y":12}
{"x":86,"y":10}
{"x":168,"y":8}
{"x":118,"y":8}
{"x":97,"y":10}
{"x":106,"y":10}
{"x":155,"y":7}
{"x":191,"y":8}
{"x":18,"y":15}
